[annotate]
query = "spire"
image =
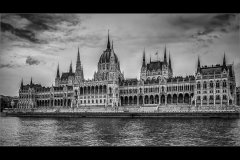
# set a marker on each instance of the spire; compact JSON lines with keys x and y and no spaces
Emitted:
{"x":198,"y":65}
{"x":224,"y":60}
{"x":58,"y":75}
{"x":143,"y":62}
{"x":31,"y":83}
{"x":78,"y":65}
{"x":112,"y":44}
{"x":21,"y":84}
{"x":150,"y":58}
{"x":199,"y":62}
{"x":170,"y":63}
{"x":108,"y":44}
{"x":165,"y":55}
{"x":70,"y":69}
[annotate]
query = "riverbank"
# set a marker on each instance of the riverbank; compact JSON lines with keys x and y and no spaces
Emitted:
{"x":226,"y":114}
{"x":150,"y":112}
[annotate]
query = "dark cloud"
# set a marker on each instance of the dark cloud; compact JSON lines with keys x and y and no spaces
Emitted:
{"x":48,"y":21}
{"x":210,"y":27}
{"x":22,"y":33}
{"x":6,"y":66}
{"x":34,"y":24}
{"x":32,"y":61}
{"x":205,"y":23}
{"x":9,"y":66}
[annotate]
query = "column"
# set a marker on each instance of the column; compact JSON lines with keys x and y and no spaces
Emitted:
{"x":137,"y":100}
{"x":207,"y":100}
{"x":159,"y":99}
{"x":221,"y":99}
{"x":177,"y":99}
{"x":165,"y":99}
{"x":201,"y":100}
{"x":214,"y":100}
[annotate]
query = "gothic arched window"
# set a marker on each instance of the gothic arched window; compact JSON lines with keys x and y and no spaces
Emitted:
{"x":204,"y":98}
{"x":204,"y":85}
{"x":198,"y":85}
{"x":211,"y":84}
{"x":224,"y":83}
{"x":217,"y":84}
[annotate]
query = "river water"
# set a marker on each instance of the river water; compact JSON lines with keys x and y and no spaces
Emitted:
{"x":16,"y":131}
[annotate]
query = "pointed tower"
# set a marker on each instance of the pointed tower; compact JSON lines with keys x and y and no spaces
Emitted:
{"x":143,"y":61}
{"x":150,"y":59}
{"x":57,"y":79}
{"x":165,"y":55}
{"x":79,"y":70}
{"x":108,"y":43}
{"x":21,"y":87}
{"x":112,"y":46}
{"x":170,"y":72}
{"x":70,"y":69}
{"x":224,"y":60}
{"x":170,"y":63}
{"x":58,"y":74}
{"x":198,"y":65}
{"x":31,"y":83}
{"x":78,"y":64}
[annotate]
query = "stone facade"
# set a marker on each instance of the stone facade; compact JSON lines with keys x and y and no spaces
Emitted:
{"x":238,"y":96}
{"x":210,"y":86}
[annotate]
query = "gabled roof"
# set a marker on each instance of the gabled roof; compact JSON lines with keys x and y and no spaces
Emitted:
{"x":66,"y":75}
{"x":217,"y":69}
{"x":155,"y":65}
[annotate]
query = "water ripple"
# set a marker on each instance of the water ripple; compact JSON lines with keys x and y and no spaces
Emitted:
{"x":118,"y":132}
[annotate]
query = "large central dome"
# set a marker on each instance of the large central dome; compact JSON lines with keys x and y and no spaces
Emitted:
{"x":106,"y":55}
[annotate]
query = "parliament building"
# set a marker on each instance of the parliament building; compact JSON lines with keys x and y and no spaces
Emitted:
{"x":209,"y":86}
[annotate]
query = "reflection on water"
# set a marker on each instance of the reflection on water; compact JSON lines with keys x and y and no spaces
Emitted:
{"x":118,"y":132}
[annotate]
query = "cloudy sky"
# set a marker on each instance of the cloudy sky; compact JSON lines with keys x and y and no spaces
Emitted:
{"x":33,"y":44}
